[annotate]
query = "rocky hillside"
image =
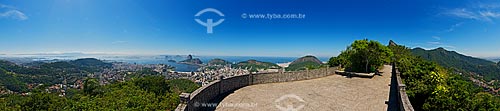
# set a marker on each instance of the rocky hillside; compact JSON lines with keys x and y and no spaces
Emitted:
{"x":308,"y":58}
{"x":306,"y":62}
{"x":191,"y":60}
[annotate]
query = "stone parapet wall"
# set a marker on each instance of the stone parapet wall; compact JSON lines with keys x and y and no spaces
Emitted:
{"x":201,"y":98}
{"x":403,"y":100}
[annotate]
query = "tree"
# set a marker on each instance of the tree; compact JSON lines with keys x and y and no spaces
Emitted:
{"x":178,"y":86}
{"x":43,"y":101}
{"x":432,"y":87}
{"x":90,"y":85}
{"x":400,"y":52}
{"x":484,"y":101}
{"x":155,"y":84}
{"x":366,"y":55}
{"x":341,"y":60}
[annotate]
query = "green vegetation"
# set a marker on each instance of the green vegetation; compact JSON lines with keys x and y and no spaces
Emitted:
{"x":432,"y":87}
{"x":182,"y":85}
{"x":218,"y":61}
{"x":363,"y":56}
{"x":341,"y":60}
{"x":17,"y":82}
{"x":145,"y":90}
{"x":90,"y":64}
{"x":148,"y":93}
{"x":303,"y":66}
{"x":254,"y":65}
{"x":12,"y":81}
{"x":429,"y":86}
{"x":16,"y":77}
{"x":460,"y":63}
{"x":303,"y":63}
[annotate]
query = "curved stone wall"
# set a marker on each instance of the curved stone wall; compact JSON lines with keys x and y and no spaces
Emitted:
{"x":206,"y":97}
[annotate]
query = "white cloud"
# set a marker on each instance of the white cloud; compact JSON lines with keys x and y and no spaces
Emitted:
{"x":12,"y":12}
{"x":489,"y":14}
{"x":489,"y":5}
{"x":15,"y":14}
{"x":436,"y":37}
{"x":447,"y":46}
{"x":462,"y":13}
{"x":434,"y":43}
{"x":480,"y":14}
{"x":452,"y":27}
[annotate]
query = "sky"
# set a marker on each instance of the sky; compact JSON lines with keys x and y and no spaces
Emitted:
{"x":470,"y":27}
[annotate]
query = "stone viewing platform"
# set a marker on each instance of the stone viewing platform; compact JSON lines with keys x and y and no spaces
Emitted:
{"x":207,"y":97}
{"x":309,"y":90}
{"x":331,"y":93}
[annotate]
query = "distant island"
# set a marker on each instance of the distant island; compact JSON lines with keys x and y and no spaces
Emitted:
{"x":218,"y":61}
{"x":191,"y":60}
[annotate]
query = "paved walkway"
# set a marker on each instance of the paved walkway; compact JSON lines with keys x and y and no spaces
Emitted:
{"x":332,"y":93}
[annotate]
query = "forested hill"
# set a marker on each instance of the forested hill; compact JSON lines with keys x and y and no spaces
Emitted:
{"x":15,"y":77}
{"x":303,"y":63}
{"x":451,"y":59}
{"x":254,"y":65}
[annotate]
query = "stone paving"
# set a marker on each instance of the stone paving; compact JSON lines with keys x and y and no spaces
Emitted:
{"x":331,"y":93}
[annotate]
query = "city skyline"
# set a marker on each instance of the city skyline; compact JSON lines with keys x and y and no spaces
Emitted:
{"x":168,"y":27}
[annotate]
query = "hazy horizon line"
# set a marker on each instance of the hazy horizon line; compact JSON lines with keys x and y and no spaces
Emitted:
{"x":148,"y":54}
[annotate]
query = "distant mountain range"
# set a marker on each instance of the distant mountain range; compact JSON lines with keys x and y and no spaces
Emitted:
{"x":494,"y":59}
{"x":301,"y":63}
{"x":451,"y":59}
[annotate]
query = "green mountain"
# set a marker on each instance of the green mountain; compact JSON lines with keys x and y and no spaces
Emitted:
{"x":459,"y":62}
{"x":254,"y":65}
{"x":303,"y":63}
{"x":11,"y":81}
{"x":15,"y":77}
{"x":90,"y":62}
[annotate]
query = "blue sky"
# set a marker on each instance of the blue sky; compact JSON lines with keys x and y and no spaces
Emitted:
{"x":470,"y":27}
